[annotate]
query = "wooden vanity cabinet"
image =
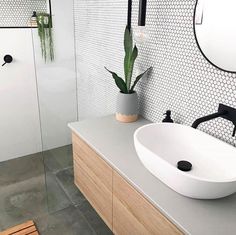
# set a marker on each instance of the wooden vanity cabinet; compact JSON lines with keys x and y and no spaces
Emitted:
{"x":120,"y":205}
{"x":93,"y":176}
{"x":133,"y":214}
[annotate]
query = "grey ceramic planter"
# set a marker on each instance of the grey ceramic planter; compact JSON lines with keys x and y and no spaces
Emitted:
{"x":127,"y":107}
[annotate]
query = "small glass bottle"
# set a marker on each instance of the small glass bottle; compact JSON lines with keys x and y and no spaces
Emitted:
{"x":33,"y":20}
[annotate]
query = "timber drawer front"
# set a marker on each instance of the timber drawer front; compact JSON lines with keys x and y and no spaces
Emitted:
{"x":93,"y":176}
{"x":121,"y":206}
{"x":133,"y":214}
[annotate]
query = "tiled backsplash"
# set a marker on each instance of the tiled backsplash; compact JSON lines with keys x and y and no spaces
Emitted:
{"x":181,"y":79}
{"x":17,"y":13}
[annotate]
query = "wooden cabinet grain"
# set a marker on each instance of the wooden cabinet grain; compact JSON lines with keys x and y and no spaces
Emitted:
{"x":120,"y":205}
{"x":93,"y":176}
{"x":133,"y":214}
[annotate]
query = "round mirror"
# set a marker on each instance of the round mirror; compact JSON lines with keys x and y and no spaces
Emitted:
{"x":215,"y":32}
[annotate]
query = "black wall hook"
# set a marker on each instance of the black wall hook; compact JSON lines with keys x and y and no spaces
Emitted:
{"x":7,"y":59}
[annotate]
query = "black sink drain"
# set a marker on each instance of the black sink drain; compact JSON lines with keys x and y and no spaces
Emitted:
{"x":184,"y":166}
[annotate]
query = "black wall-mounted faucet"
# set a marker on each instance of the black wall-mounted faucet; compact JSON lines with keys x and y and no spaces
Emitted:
{"x":7,"y":59}
{"x":224,"y":111}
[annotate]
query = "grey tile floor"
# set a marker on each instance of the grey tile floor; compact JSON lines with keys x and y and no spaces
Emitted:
{"x":41,"y":187}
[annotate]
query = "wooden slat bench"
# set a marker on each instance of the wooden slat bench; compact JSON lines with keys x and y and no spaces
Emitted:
{"x":27,"y":228}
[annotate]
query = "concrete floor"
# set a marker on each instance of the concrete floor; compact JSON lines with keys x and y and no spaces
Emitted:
{"x":40,"y":187}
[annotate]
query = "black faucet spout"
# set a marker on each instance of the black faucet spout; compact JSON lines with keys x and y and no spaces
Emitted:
{"x":224,"y":111}
{"x":208,"y":118}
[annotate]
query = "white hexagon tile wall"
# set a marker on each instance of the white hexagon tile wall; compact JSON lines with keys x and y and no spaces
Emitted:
{"x":17,"y":13}
{"x":181,"y":79}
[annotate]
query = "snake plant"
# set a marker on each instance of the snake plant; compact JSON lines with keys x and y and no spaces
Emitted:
{"x":44,"y":23}
{"x":131,"y":54}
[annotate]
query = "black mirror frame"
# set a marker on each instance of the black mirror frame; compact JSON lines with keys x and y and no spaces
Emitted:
{"x":195,"y":36}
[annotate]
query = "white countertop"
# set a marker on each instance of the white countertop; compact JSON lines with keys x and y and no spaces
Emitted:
{"x":113,"y":141}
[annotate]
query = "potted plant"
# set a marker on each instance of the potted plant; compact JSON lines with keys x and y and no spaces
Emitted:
{"x":44,"y":23}
{"x":127,"y":99}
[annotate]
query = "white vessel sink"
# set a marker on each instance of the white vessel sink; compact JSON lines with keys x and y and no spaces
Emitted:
{"x":161,"y":146}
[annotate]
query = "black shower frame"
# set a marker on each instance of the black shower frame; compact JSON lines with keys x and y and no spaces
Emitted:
{"x":29,"y":27}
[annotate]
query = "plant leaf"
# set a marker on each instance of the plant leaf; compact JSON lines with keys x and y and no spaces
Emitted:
{"x":128,"y":46}
{"x":138,"y":78}
{"x":119,"y":82}
{"x":44,"y":23}
{"x":130,"y":67}
{"x":128,"y":41}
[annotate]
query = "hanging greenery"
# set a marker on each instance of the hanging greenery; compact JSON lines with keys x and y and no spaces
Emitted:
{"x":44,"y":23}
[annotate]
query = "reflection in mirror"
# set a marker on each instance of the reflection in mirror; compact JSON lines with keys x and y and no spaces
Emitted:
{"x":215,"y":32}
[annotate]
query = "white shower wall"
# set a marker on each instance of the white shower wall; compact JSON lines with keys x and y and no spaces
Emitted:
{"x":37,"y":99}
{"x":19,"y":118}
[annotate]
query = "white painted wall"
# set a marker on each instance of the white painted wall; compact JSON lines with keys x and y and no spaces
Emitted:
{"x":20,"y":118}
